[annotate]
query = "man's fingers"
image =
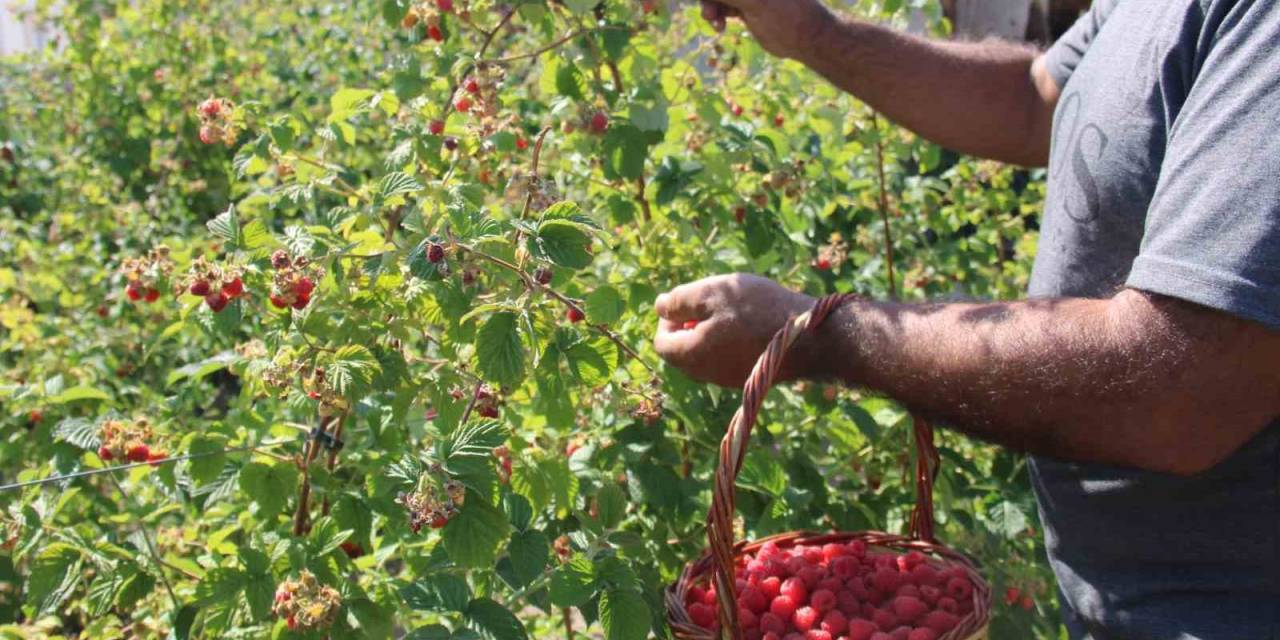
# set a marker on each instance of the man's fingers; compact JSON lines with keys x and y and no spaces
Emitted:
{"x":683,"y":303}
{"x":717,"y":12}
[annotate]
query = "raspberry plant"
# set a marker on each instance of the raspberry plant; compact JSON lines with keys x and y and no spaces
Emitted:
{"x":381,"y":275}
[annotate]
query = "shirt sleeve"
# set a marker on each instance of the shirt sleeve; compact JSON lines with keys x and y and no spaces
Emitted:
{"x":1062,"y":58}
{"x":1212,"y":232}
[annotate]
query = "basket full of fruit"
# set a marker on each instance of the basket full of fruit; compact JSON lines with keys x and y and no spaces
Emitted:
{"x":824,"y":586}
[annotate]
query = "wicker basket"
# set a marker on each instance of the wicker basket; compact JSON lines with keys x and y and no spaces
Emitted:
{"x":718,"y":564}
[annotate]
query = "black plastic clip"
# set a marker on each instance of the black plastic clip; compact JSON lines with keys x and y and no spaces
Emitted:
{"x":326,"y":439}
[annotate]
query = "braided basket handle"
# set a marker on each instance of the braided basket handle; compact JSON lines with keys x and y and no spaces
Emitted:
{"x":733,"y":451}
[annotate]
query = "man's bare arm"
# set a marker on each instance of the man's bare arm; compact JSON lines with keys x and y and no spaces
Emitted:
{"x":1136,"y":380}
{"x":991,"y":99}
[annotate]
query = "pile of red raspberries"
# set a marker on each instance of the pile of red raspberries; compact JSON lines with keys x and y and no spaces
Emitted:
{"x":839,"y":592}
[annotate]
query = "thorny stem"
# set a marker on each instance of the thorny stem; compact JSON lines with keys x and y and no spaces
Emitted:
{"x":884,"y":207}
{"x":471,"y":404}
{"x":568,"y":624}
{"x":151,"y":547}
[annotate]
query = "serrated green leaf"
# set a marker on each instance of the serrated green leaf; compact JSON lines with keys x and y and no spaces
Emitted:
{"x":624,"y":615}
{"x":529,"y":552}
{"x":493,"y":621}
{"x":438,"y":592}
{"x":208,"y":465}
{"x":79,"y":432}
{"x":573,"y":583}
{"x":475,"y":535}
{"x":562,"y":242}
{"x":499,"y":353}
{"x":268,"y":485}
{"x":397,"y":183}
{"x":78,"y":393}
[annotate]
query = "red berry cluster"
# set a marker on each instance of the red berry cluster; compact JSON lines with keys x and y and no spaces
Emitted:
{"x":127,"y":441}
{"x":430,"y":12}
{"x":144,"y":276}
{"x":305,"y":604}
{"x":435,"y":501}
{"x":478,"y":95}
{"x":487,"y":404}
{"x":216,"y":285}
{"x":294,"y":281}
{"x":1014,"y":596}
{"x":840,"y":592}
{"x":833,"y":254}
{"x":216,"y":124}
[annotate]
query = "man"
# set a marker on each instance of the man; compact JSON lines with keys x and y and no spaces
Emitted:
{"x":1143,"y":374}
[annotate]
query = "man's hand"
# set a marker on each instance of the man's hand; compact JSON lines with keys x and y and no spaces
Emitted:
{"x":736,"y":316}
{"x":783,"y":27}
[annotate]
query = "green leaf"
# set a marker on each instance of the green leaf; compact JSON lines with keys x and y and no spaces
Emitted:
{"x":493,"y":621}
{"x":562,"y":242}
{"x":397,"y":183}
{"x":529,"y":552}
{"x":206,"y":468}
{"x":268,"y":485}
{"x":625,"y":151}
{"x":499,"y":353}
{"x":612,"y":505}
{"x":54,"y":577}
{"x":1007,"y":520}
{"x":198,"y":370}
{"x":604,"y":305}
{"x":78,"y":393}
{"x":438,"y":592}
{"x":79,"y":432}
{"x":624,"y":615}
{"x":573,"y":583}
{"x":326,"y":536}
{"x":226,"y":227}
{"x":351,"y":369}
{"x":473,"y":537}
{"x":219,"y":585}
{"x":593,"y":363}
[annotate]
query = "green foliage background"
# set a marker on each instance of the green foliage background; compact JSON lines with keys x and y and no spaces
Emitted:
{"x":335,"y":161}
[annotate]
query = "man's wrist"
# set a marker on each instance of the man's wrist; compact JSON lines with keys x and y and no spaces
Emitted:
{"x":815,"y":31}
{"x":829,"y":352}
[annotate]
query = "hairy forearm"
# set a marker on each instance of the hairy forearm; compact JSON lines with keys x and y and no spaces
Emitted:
{"x":978,"y":98}
{"x":1118,"y":381}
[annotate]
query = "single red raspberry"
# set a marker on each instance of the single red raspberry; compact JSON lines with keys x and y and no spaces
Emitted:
{"x":439,"y":520}
{"x":199,"y":288}
{"x":710,"y":597}
{"x":599,"y":122}
{"x":823,"y":600}
{"x":435,"y":253}
{"x":352,"y":549}
{"x":834,"y":623}
{"x":901,"y":633}
{"x":217,"y":301}
{"x":434,"y":33}
{"x":922,"y":633}
{"x":908,"y":589}
{"x":925,"y":575}
{"x":291,"y":622}
{"x":301,"y":301}
{"x":702,"y":615}
{"x":885,"y":620}
{"x":445,"y":5}
{"x":805,"y":618}
{"x":543,"y":276}
{"x":574,"y":315}
{"x":910,"y":561}
{"x":811,"y":575}
{"x":211,"y":107}
{"x":783,"y":607}
{"x":778,"y":120}
{"x":909,"y":609}
{"x":747,"y":618}
{"x":844,"y":567}
{"x":771,"y":587}
{"x":105,"y":453}
{"x":795,"y":589}
{"x":489,"y":412}
{"x":949,"y":605}
{"x":695,"y":595}
{"x":740,"y":214}
{"x":848,"y":603}
{"x":234,"y":288}
{"x":209,"y":134}
{"x":772,"y":624}
{"x":858,"y":549}
{"x":156,"y":456}
{"x":463,"y":105}
{"x":279,"y":259}
{"x":885,"y":580}
{"x":436,"y":127}
{"x":304,"y":286}
{"x":861,"y":630}
{"x":151,"y":295}
{"x":822,"y":264}
{"x":1027,"y":603}
{"x":471,"y":85}
{"x":959,"y":588}
{"x":138,"y":453}
{"x":832,"y":584}
{"x":451,"y":143}
{"x":930,"y":595}
{"x":522,"y":144}
{"x":940,"y":621}
{"x":102,"y":311}
{"x":279,"y":302}
{"x":752,"y":598}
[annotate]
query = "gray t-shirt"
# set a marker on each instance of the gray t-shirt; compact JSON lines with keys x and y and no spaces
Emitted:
{"x":1164,"y":176}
